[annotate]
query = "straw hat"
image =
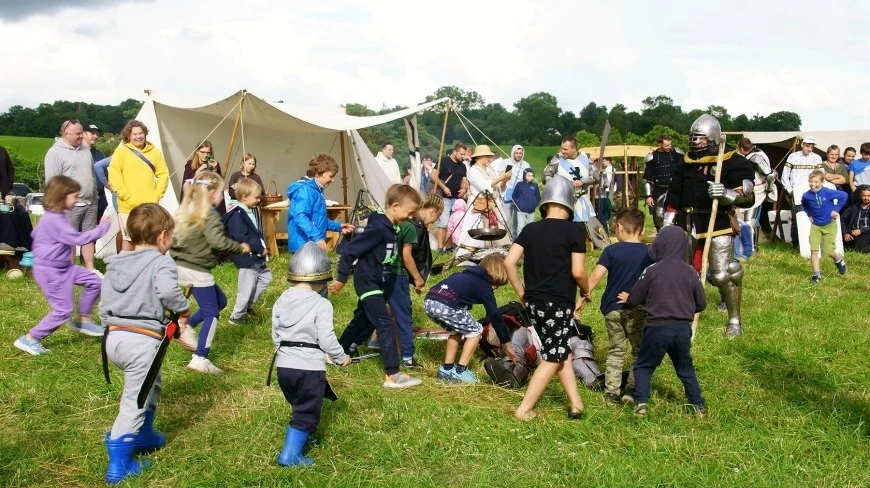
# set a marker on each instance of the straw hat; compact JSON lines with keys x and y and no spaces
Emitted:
{"x":482,"y":150}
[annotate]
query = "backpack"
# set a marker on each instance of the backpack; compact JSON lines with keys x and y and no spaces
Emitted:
{"x":422,"y":250}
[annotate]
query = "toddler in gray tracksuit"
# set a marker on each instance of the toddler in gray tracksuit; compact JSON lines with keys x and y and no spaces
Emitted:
{"x":138,"y":287}
{"x":303,"y":334}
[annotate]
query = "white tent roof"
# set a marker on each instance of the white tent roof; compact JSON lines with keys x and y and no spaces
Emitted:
{"x":283,"y":138}
{"x":824,"y":138}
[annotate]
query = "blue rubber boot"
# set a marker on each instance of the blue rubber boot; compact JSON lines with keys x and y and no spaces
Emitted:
{"x":147,"y":439}
{"x":291,"y":455}
{"x":121,"y":462}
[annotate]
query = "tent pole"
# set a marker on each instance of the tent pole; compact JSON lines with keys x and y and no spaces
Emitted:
{"x":343,"y":166}
{"x":233,"y":136}
{"x":441,"y":149}
{"x":625,"y":177}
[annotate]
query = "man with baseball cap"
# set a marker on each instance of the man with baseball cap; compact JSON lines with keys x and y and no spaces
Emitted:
{"x":797,"y":170}
{"x":89,"y":141}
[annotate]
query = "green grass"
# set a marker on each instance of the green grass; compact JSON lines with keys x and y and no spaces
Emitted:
{"x":31,"y":148}
{"x":788,"y":405}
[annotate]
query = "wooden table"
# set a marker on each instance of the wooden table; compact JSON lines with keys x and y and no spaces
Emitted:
{"x":270,"y":216}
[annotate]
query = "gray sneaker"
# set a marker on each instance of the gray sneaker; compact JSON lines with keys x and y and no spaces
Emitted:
{"x":87,"y":328}
{"x":34,"y":347}
{"x":401,"y":380}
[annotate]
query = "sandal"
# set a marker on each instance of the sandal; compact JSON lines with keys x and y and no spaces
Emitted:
{"x":640,"y":410}
{"x":525,"y":417}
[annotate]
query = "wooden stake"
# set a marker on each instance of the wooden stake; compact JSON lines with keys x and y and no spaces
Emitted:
{"x":233,"y":137}
{"x":441,"y":149}
{"x":717,"y":178}
{"x":341,"y":136}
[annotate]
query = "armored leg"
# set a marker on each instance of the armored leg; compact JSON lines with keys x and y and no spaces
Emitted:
{"x":727,"y":276}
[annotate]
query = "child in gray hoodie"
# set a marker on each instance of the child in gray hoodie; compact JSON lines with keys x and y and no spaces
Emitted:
{"x":138,"y":288}
{"x":304,"y":336}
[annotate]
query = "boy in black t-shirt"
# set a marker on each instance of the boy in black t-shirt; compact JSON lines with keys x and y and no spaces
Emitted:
{"x":553,"y":268}
{"x":625,"y":261}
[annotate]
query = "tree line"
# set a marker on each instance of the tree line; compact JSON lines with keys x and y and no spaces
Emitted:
{"x":538,"y":120}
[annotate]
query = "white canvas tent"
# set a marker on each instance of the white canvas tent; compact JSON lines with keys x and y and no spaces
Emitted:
{"x":283,"y":137}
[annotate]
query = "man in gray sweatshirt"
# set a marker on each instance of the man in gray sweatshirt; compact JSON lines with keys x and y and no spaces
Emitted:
{"x":69,"y":157}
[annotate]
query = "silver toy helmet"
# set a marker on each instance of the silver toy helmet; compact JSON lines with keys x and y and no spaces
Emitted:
{"x":559,"y":190}
{"x":310,"y":264}
{"x":704,"y":133}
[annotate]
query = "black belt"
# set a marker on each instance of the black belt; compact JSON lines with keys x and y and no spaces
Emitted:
{"x":287,"y":344}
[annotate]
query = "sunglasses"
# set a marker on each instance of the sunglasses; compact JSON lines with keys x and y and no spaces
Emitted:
{"x":68,"y":123}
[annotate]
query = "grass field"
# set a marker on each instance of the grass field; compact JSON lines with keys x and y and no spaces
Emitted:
{"x":788,"y":405}
{"x":31,"y":148}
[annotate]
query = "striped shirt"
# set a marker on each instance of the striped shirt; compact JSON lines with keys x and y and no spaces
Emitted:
{"x":798,"y":168}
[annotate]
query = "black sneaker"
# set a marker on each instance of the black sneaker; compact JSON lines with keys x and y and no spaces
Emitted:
{"x":841,"y":267}
{"x":699,"y":411}
{"x":612,"y":398}
{"x":815,"y":279}
{"x":411,"y":363}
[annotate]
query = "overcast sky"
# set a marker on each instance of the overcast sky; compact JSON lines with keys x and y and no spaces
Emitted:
{"x":751,"y":57}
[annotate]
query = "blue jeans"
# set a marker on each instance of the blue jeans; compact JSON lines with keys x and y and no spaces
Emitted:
{"x":398,"y":295}
{"x":676,"y":342}
{"x":744,"y":245}
{"x":522,"y":220}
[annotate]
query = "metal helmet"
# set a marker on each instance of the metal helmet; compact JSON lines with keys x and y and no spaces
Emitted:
{"x":559,"y":190}
{"x":704,"y":133}
{"x":310,"y":265}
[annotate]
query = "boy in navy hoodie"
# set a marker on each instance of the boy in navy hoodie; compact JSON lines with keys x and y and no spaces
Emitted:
{"x":672,"y":294}
{"x":822,"y":206}
{"x":243,"y":226}
{"x":365,"y":257}
{"x":526,"y":197}
{"x":448,"y":303}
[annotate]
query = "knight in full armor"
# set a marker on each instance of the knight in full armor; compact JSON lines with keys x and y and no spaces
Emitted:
{"x":689,"y":203}
{"x":658,"y":169}
{"x":765,"y":184}
{"x":577,"y":168}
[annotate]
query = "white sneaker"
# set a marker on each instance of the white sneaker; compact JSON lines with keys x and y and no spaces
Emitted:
{"x":401,"y":380}
{"x":203,"y":365}
{"x":187,"y":338}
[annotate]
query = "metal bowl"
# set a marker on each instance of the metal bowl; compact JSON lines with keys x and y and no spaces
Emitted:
{"x":487,"y":234}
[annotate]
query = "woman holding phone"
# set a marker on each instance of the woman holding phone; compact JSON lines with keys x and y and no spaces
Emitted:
{"x":203,"y":160}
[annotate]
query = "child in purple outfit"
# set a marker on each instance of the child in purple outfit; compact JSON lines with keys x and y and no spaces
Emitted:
{"x":53,"y":270}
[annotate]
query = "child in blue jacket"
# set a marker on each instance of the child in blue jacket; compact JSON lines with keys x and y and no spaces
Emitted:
{"x":306,"y":218}
{"x":822,"y":206}
{"x":243,"y":225}
{"x":526,"y":197}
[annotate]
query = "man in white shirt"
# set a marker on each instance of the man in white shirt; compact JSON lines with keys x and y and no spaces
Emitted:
{"x":797,"y":170}
{"x":576,"y":167}
{"x":388,"y":164}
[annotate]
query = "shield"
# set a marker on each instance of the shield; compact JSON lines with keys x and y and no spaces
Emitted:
{"x":597,"y":233}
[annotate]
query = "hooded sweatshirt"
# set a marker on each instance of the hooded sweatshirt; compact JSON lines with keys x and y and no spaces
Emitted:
{"x":301,"y":315}
{"x":518,"y":167}
{"x":75,"y":162}
{"x":133,"y":181}
{"x":457,"y":211}
{"x":527,"y":195}
{"x":138,"y":287}
{"x":390,"y":167}
{"x":669,"y":288}
{"x":53,"y":239}
{"x":366,"y":255}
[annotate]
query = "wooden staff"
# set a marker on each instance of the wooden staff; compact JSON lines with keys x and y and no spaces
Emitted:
{"x":441,"y":149}
{"x":717,"y":178}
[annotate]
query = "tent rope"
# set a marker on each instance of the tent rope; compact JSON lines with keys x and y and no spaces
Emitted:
{"x":465,"y":127}
{"x":462,"y":116}
{"x":209,"y":135}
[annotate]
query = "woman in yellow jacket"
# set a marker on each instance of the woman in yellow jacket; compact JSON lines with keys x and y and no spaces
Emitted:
{"x":137,"y":174}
